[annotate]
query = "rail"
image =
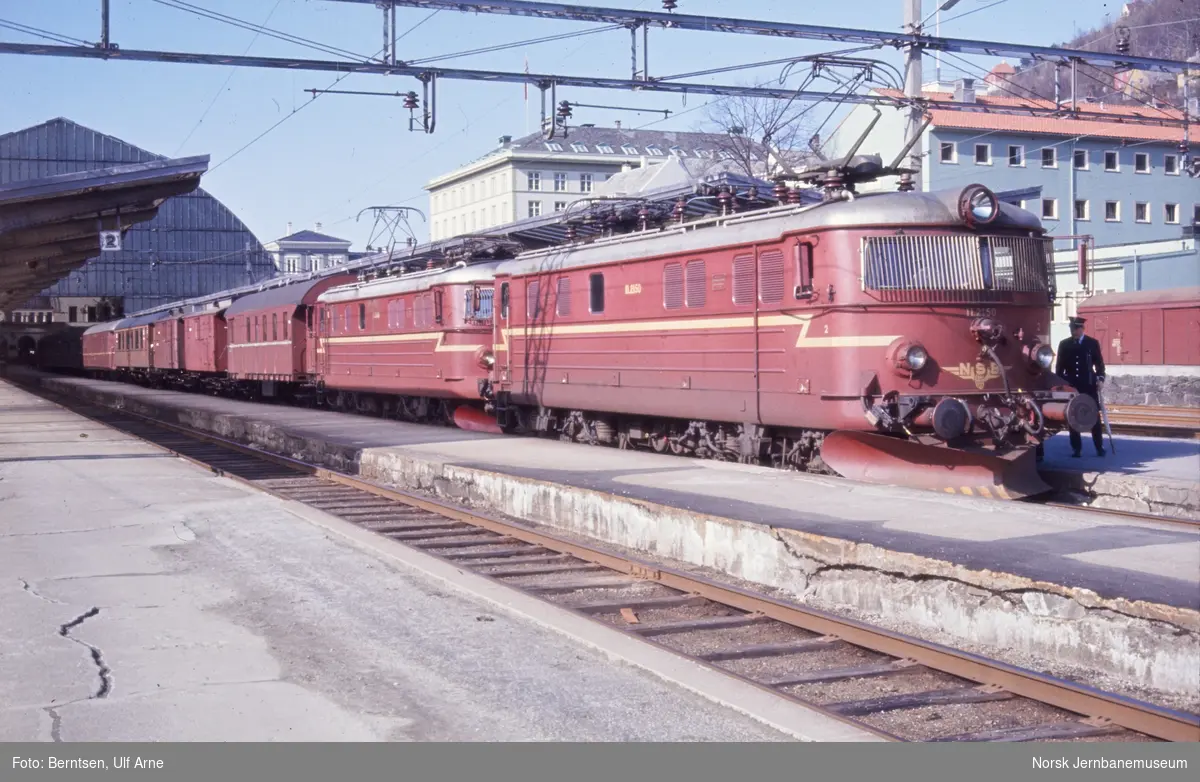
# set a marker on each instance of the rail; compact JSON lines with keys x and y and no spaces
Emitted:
{"x":667,"y":607}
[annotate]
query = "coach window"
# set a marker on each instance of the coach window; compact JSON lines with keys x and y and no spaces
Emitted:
{"x":596,"y":293}
{"x":286,"y":319}
{"x":804,"y":270}
{"x":274,"y":326}
{"x":247,"y":331}
{"x":257,"y":330}
{"x":362,"y":316}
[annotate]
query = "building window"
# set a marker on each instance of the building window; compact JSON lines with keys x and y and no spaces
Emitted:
{"x":1171,"y":213}
{"x":1171,"y":165}
{"x":91,"y":314}
{"x":653,"y":150}
{"x":1081,"y":159}
{"x":1049,"y":157}
{"x":1049,"y":208}
{"x":949,"y":152}
{"x":678,"y":152}
{"x":1111,"y":162}
{"x":604,"y":149}
{"x":493,"y":214}
{"x":628,"y":150}
{"x":560,"y":183}
{"x":1141,"y":163}
{"x":1016,"y":155}
{"x":72,"y":314}
{"x":596,"y":293}
{"x":560,"y":206}
{"x":554,"y":146}
{"x":1196,"y":214}
{"x":1082,"y":210}
{"x":983,"y":154}
{"x":577,"y":147}
{"x":1112,"y":211}
{"x":1141,"y":212}
{"x":707,"y":154}
{"x":585,"y":183}
{"x":562,"y":299}
{"x":535,"y":208}
{"x":535,"y":180}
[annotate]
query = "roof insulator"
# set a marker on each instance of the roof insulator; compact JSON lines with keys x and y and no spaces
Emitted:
{"x":410,"y":101}
{"x":669,"y":5}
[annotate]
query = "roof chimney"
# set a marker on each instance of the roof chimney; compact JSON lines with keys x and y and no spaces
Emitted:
{"x":318,"y":226}
{"x":289,"y":230}
{"x":505,"y":141}
{"x":964,"y":91}
{"x":617,"y":123}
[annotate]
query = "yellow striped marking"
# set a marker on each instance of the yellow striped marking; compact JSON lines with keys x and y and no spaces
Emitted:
{"x":416,"y":336}
{"x":261,"y":344}
{"x":967,"y":491}
{"x":984,"y":491}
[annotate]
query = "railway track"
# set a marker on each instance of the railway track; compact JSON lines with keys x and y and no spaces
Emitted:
{"x":1181,"y":422}
{"x":898,"y":687}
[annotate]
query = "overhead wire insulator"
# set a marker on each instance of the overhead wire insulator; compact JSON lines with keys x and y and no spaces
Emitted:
{"x":669,"y":5}
{"x":1123,"y":40}
{"x":411,"y":102}
{"x":564,"y":110}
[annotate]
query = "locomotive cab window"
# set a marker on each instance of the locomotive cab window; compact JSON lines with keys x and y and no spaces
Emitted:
{"x":804,"y":270}
{"x":362,"y":316}
{"x":596,"y":293}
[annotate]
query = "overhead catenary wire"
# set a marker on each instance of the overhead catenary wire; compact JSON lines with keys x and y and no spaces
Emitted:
{"x":181,"y":5}
{"x":303,"y":106}
{"x":229,"y":78}
{"x":48,"y":35}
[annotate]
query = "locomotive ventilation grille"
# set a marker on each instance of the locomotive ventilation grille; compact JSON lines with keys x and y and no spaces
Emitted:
{"x":956,"y":267}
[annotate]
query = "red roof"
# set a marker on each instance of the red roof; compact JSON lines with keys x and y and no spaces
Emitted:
{"x":1128,"y":121}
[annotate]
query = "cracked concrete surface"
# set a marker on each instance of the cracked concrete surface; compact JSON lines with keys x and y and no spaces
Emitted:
{"x":147,"y":600}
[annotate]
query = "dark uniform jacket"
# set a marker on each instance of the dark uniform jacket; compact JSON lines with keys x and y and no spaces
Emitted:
{"x":1080,"y":363}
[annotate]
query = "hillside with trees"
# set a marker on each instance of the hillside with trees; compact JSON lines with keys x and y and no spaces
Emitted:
{"x":1148,"y":28}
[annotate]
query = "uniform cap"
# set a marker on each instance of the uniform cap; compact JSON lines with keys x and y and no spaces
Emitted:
{"x":1078,"y":322}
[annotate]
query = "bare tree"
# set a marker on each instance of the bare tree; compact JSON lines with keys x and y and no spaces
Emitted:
{"x":753,"y":131}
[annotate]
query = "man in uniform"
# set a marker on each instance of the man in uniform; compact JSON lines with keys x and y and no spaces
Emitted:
{"x":1081,"y":365}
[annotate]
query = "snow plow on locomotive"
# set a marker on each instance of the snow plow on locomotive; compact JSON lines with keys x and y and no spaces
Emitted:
{"x":897,"y":338}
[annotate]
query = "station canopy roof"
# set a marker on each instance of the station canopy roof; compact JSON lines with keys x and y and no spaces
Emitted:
{"x":51,"y":226}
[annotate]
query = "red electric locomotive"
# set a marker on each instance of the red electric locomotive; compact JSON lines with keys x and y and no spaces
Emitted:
{"x":417,"y":346}
{"x":894,"y":337}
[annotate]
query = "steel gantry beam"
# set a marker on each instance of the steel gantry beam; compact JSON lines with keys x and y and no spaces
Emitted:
{"x":719,"y":24}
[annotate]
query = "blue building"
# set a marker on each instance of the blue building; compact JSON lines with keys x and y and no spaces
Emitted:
{"x":1122,"y":181}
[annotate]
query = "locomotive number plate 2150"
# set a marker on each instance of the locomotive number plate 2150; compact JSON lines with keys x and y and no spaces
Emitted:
{"x":633,"y":288}
{"x":981,"y":312}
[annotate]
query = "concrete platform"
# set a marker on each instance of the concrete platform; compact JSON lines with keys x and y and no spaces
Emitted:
{"x":1071,"y":591}
{"x":144,"y":599}
{"x":1144,"y":474}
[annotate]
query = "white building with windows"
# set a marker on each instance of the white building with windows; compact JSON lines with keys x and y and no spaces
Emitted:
{"x":532,"y":176}
{"x":306,"y":251}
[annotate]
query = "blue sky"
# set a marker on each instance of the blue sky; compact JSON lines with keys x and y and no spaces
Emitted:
{"x":344,"y":153}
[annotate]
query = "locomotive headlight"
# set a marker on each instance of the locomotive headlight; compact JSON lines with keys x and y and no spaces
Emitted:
{"x":978,"y":205}
{"x":1041,"y":356}
{"x":915,"y":357}
{"x":907,"y":356}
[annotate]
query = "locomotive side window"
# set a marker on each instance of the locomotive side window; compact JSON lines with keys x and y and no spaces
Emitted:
{"x":346,"y":318}
{"x":286,"y":319}
{"x":274,"y":326}
{"x":804,"y":270}
{"x":321,"y":320}
{"x":362,"y":316}
{"x":247,"y":331}
{"x":697,"y":283}
{"x":770,"y":277}
{"x":562,"y":300}
{"x":673,"y":286}
{"x":532,"y":305}
{"x":596,"y":293}
{"x":504,"y":301}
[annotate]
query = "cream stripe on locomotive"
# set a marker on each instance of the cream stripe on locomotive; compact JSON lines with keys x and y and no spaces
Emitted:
{"x":804,"y":321}
{"x":440,"y":336}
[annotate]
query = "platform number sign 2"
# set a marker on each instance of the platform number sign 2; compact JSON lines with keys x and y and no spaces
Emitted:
{"x":110,"y":241}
